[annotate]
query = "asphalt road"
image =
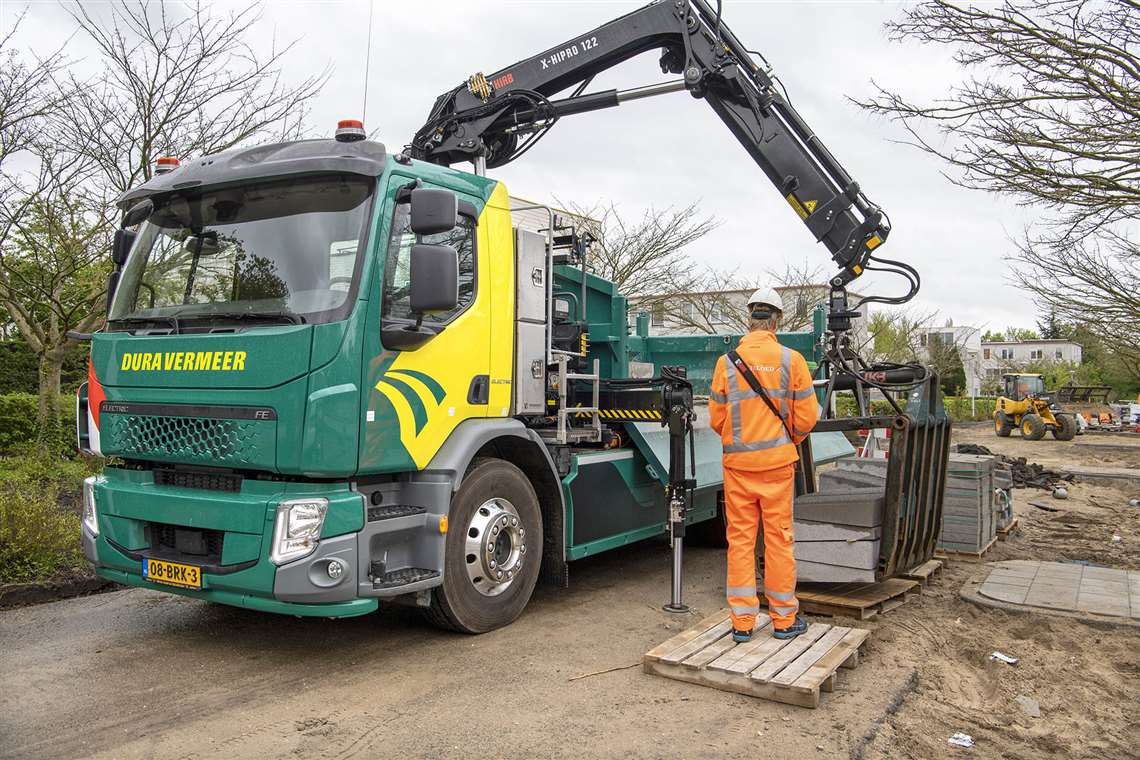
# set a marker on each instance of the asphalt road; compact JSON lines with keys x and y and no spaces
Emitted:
{"x":142,"y":674}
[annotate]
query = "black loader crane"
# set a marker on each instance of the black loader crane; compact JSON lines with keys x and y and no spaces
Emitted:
{"x":493,"y":119}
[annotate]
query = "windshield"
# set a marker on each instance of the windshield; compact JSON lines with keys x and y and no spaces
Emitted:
{"x":279,"y":249}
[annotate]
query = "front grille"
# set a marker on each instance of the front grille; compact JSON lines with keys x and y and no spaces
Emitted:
{"x":194,"y":545}
{"x":210,"y":481}
{"x":202,"y":438}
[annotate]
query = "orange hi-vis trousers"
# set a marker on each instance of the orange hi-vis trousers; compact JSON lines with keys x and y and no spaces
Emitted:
{"x":752,"y":497}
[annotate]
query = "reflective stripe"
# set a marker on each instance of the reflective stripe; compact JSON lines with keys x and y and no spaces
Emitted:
{"x":741,"y":591}
{"x":754,"y":609}
{"x":771,"y":443}
{"x":714,"y":396}
{"x":784,"y":610}
{"x":805,"y":393}
{"x":783,"y":596}
{"x":748,"y":393}
{"x":734,"y":408}
{"x":785,"y":379}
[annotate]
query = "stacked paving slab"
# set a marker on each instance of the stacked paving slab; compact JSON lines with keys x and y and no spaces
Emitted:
{"x":839,"y":529}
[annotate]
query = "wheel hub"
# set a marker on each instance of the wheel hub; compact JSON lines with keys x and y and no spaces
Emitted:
{"x":495,"y":547}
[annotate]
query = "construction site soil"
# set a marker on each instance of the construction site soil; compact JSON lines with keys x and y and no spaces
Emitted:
{"x":136,"y":673}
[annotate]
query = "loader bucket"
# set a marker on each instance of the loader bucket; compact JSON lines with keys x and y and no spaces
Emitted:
{"x":1083,"y":394}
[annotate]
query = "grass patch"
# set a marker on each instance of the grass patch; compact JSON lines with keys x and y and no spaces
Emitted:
{"x":41,"y":501}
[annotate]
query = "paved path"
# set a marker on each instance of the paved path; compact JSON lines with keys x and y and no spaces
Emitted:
{"x":1059,"y":586}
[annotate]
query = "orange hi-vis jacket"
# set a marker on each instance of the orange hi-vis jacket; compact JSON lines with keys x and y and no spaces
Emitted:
{"x":753,"y":437}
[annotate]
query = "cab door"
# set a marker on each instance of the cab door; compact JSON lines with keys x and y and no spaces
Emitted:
{"x":422,"y":389}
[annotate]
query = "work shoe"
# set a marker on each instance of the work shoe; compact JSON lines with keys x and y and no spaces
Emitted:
{"x":795,"y":629}
{"x":741,"y":636}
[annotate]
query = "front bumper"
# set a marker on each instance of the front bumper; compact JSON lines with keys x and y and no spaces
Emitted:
{"x":129,"y":504}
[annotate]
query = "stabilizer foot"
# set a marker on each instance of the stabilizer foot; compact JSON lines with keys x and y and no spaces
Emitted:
{"x":676,"y":609}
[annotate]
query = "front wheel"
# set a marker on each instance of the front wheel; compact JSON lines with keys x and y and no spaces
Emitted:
{"x":493,"y":550}
{"x":1066,"y":429}
{"x":1032,"y":427}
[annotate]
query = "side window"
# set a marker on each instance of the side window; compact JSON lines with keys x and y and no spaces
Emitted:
{"x":397,"y":291}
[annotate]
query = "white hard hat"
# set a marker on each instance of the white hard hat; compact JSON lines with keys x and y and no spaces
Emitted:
{"x":768,"y":297}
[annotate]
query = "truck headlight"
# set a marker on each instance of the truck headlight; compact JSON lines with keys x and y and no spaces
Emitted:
{"x":297,"y":529}
{"x":90,"y":517}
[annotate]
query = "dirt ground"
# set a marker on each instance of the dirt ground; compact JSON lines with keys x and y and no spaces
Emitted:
{"x":141,"y":674}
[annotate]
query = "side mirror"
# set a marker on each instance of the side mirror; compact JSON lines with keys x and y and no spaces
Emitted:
{"x":124,"y":239}
{"x":434,"y":278}
{"x":433,"y":211}
{"x":112,"y":286}
{"x":138,"y":212}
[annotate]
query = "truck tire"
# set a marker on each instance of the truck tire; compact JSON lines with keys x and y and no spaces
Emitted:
{"x":1003,"y":425}
{"x":493,"y":550}
{"x":1032,"y":427}
{"x":1066,"y":428}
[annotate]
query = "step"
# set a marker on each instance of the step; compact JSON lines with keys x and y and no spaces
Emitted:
{"x":403,"y":577}
{"x":389,"y":511}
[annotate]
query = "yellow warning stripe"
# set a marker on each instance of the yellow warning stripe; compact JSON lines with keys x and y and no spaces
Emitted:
{"x":625,"y":414}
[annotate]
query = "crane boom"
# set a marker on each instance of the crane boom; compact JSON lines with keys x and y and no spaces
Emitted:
{"x":492,"y":119}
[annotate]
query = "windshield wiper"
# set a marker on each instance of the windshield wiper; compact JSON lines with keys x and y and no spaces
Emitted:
{"x":278,"y":316}
{"x":171,"y":320}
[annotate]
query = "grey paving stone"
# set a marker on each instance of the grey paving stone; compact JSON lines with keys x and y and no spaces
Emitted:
{"x":1007,"y":569}
{"x":1093,"y":586}
{"x":1064,"y":571}
{"x":1103,"y":605}
{"x":1052,"y":600}
{"x":1004,"y":592}
{"x":1053,"y":586}
{"x":1013,"y":580}
{"x":1106,"y":573}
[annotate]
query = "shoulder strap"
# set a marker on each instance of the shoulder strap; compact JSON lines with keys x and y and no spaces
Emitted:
{"x":757,"y":388}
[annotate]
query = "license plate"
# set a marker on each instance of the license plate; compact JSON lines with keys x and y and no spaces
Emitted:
{"x":172,"y":573}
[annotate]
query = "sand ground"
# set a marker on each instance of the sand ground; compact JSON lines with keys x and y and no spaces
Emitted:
{"x":140,"y":674}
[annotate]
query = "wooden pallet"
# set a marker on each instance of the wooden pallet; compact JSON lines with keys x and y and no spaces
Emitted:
{"x":792,"y":671}
{"x":856,"y":600}
{"x":924,"y":573}
{"x":945,"y":554}
{"x":1007,"y":531}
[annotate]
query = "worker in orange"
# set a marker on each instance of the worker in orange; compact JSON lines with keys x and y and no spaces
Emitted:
{"x":762,"y":404}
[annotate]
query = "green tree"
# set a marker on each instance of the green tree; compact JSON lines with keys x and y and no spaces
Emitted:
{"x":53,"y":268}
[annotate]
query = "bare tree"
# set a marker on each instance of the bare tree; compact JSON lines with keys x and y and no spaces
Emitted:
{"x":717,"y":301}
{"x":1048,"y":117}
{"x":173,"y":82}
{"x":182,"y":82}
{"x":645,"y":258}
{"x":714,"y":303}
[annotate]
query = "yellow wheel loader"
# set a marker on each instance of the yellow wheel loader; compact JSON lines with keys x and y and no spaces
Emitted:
{"x":1025,"y":405}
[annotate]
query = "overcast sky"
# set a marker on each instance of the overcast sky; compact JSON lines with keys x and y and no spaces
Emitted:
{"x":671,"y":150}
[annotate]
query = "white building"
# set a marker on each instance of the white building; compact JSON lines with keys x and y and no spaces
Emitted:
{"x":968,"y":341}
{"x":1000,"y":356}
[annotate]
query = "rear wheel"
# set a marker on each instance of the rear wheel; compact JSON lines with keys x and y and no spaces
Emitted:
{"x":1003,"y":425}
{"x":1032,"y":427}
{"x":1066,"y":429}
{"x":493,"y":550}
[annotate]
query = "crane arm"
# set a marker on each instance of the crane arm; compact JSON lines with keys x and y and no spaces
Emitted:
{"x":492,"y":119}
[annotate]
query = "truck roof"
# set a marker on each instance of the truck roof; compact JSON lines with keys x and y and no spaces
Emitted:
{"x":277,"y":160}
